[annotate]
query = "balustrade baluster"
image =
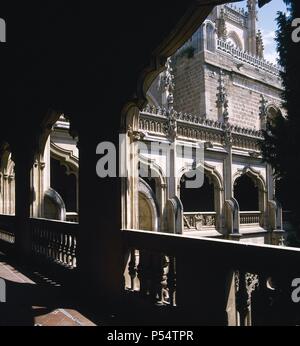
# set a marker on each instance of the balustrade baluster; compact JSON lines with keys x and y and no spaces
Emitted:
{"x":159,"y":278}
{"x":172,"y":281}
{"x":242,"y":299}
{"x":132,"y":269}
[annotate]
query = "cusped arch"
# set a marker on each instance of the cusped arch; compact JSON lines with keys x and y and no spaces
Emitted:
{"x":156,"y":171}
{"x":255,"y":175}
{"x":214,"y":178}
{"x":260,"y":183}
{"x":66,"y":158}
{"x":273,"y":112}
{"x":6,"y":162}
{"x":211,"y":172}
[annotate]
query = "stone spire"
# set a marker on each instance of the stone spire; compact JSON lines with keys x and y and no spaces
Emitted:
{"x":168,"y":100}
{"x":222,"y":101}
{"x":251,"y":20}
{"x":259,"y":45}
{"x":168,"y":86}
{"x":222,"y":30}
{"x":263,"y":112}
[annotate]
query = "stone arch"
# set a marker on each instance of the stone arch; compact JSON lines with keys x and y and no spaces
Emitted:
{"x":66,"y":158}
{"x":210,"y":34}
{"x":259,"y":182}
{"x":252,"y":173}
{"x":273,"y":112}
{"x":7,"y":180}
{"x":148,"y":211}
{"x":160,"y":193}
{"x":46,"y":151}
{"x":214,"y":178}
{"x":210,"y":170}
{"x":234,"y":37}
{"x":155,"y":170}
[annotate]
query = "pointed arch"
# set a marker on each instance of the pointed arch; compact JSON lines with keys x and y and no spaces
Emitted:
{"x":255,"y":175}
{"x":216,"y":180}
{"x":260,"y":183}
{"x":66,"y":158}
{"x":160,"y":194}
{"x":234,"y":37}
{"x":7,"y":180}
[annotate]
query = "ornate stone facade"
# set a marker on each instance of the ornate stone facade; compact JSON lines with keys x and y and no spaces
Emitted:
{"x":220,"y":99}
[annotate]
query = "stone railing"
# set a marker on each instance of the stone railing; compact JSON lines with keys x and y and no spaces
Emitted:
{"x":247,"y":58}
{"x":199,"y":220}
{"x":212,"y":281}
{"x":55,"y":241}
{"x":7,"y":228}
{"x":250,"y":217}
{"x":72,"y":217}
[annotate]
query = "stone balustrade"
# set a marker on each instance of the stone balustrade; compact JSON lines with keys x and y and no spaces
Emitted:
{"x":247,"y":58}
{"x":213,"y":281}
{"x":199,"y":220}
{"x":55,"y":241}
{"x":72,"y":217}
{"x":250,"y":217}
{"x":7,"y":223}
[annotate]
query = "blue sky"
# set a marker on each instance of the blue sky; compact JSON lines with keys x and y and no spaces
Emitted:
{"x":267,"y":25}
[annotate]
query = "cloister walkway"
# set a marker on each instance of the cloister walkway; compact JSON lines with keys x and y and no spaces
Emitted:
{"x":35,"y":300}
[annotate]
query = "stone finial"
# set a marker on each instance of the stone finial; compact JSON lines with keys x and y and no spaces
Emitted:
{"x":168,"y":85}
{"x":221,"y":95}
{"x":259,"y":45}
{"x":171,"y":125}
{"x":222,"y":101}
{"x":251,"y":5}
{"x":263,"y":107}
{"x":263,"y":112}
{"x":168,"y":101}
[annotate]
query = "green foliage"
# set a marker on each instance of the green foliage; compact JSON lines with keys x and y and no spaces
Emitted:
{"x":282,"y":138}
{"x":263,"y":2}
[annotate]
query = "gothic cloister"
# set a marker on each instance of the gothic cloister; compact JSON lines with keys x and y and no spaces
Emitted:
{"x":134,"y":249}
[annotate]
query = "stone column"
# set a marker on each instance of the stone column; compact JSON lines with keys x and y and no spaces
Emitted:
{"x":5,"y":193}
{"x":228,"y":185}
{"x":11,"y":194}
{"x":23,"y":195}
{"x":99,"y":247}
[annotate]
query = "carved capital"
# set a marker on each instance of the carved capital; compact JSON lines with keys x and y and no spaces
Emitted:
{"x":135,"y":135}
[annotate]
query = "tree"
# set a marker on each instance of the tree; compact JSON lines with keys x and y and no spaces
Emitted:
{"x":281,"y":147}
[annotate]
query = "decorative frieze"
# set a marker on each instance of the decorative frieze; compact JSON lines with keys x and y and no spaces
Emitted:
{"x":192,"y":127}
{"x":199,"y":221}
